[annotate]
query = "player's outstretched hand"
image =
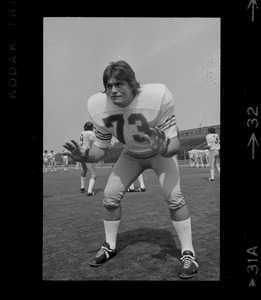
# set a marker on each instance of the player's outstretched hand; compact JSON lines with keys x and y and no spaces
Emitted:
{"x":76,"y":152}
{"x":158,"y":141}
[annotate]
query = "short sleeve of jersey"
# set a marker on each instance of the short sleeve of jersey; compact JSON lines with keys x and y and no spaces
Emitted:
{"x":102,"y":137}
{"x":166,"y":119}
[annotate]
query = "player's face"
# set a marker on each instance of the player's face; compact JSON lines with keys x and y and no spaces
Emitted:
{"x":119,"y":92}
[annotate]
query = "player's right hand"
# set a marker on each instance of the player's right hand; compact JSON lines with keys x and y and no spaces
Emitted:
{"x":76,"y":152}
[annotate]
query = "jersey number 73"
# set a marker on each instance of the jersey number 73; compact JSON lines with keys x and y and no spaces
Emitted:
{"x":132,"y":120}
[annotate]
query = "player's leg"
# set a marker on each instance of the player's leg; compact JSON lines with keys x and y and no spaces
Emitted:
{"x":217,"y":164}
{"x":55,"y":166}
{"x":124,"y":172}
{"x":142,"y":187}
{"x":131,"y":188}
{"x":191,"y":161}
{"x":66,"y":163}
{"x":167,"y":171}
{"x":201,"y":161}
{"x":197,"y":161}
{"x":212,"y":163}
{"x":83,"y":176}
{"x":45,"y":167}
{"x":91,"y":167}
{"x":208,"y":159}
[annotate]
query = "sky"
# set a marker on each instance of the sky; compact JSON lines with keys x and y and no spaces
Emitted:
{"x":183,"y":53}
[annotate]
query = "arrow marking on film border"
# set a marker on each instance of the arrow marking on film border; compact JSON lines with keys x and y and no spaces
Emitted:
{"x":254,"y":4}
{"x":254,"y":140}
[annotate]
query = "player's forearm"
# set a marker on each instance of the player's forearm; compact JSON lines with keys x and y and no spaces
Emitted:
{"x":173,"y":148}
{"x":95,"y":154}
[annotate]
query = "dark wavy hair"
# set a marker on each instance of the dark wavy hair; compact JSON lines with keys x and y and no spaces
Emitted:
{"x":211,"y":130}
{"x":88,"y":126}
{"x":121,"y":70}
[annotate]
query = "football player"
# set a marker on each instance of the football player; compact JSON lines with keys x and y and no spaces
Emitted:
{"x":191,"y":157}
{"x":45,"y":161}
{"x":143,"y":119}
{"x":213,"y":144}
{"x":52,"y":161}
{"x":65,"y":162}
{"x":87,"y":138}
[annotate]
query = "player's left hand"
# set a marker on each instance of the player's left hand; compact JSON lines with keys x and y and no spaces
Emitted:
{"x":158,"y":141}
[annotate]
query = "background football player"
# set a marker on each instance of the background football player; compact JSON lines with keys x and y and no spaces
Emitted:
{"x":87,"y":138}
{"x":213,"y":144}
{"x":52,"y":161}
{"x":45,"y":161}
{"x":65,"y":162}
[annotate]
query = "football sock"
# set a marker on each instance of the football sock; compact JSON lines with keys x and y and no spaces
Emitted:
{"x":131,"y":187}
{"x":183,"y":229}
{"x":83,"y":182}
{"x":111,"y":230}
{"x":91,"y":184}
{"x":140,"y":178}
{"x":212,"y":174}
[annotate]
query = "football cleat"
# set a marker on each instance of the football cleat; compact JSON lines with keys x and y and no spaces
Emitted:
{"x":189,"y":266}
{"x":141,"y":189}
{"x":105,"y":253}
{"x":210,"y":179}
{"x":90,"y":194}
{"x":130,"y":190}
{"x":82,"y":190}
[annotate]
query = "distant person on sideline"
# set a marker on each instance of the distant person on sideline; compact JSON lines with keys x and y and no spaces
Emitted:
{"x":213,"y":144}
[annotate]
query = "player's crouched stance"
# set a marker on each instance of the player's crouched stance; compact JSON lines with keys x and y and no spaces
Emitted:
{"x":142,"y":118}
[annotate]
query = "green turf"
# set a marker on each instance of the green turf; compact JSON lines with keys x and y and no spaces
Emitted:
{"x":147,"y":245}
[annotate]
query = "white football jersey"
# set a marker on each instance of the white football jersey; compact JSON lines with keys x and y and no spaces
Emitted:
{"x":51,"y":155}
{"x":152,"y":107}
{"x":64,"y":156}
{"x":45,"y":157}
{"x":87,"y":138}
{"x":213,"y":141}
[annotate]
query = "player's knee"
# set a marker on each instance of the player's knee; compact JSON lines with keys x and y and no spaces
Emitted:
{"x":112,"y":198}
{"x":93,"y":176}
{"x":175,"y":200}
{"x":110,"y":203}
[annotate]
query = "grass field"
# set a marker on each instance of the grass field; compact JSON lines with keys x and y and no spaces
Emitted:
{"x":147,"y":245}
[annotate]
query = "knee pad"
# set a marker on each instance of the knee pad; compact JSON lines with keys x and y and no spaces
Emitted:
{"x":93,"y":176}
{"x":110,"y":203}
{"x":112,"y":198}
{"x":175,"y":200}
